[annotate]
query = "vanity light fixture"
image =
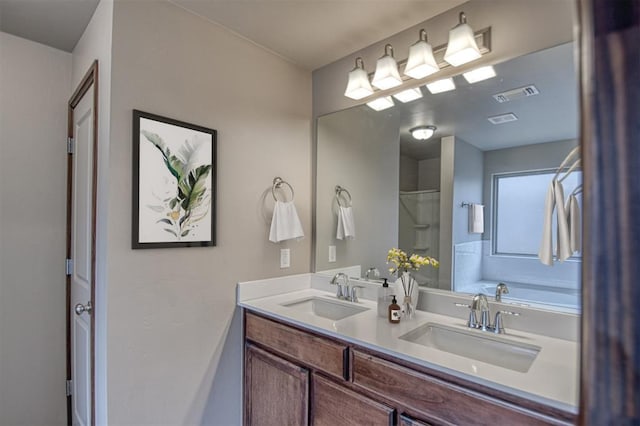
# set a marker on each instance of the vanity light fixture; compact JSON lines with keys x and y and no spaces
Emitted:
{"x":381,"y":103}
{"x":479,"y":74}
{"x":462,"y":46}
{"x":408,"y":95}
{"x":421,"y":62}
{"x":422,"y":133}
{"x":387,"y":75}
{"x":358,"y":86}
{"x":440,"y":86}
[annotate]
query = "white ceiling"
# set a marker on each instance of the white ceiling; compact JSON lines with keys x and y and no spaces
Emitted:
{"x":313,"y":33}
{"x":56,"y":23}
{"x":310,"y":33}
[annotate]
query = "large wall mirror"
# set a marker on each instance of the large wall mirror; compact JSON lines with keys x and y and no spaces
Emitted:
{"x":473,"y":195}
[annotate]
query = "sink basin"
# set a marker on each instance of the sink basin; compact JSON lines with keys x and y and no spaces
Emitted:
{"x":472,"y":344}
{"x":325,"y":308}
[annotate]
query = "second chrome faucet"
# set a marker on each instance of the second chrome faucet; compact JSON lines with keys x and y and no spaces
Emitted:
{"x":480,"y":304}
{"x":343,"y":291}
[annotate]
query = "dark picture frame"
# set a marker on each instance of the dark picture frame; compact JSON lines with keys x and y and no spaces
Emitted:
{"x":174,"y":183}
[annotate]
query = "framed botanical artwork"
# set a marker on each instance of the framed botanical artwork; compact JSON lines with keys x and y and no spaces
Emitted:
{"x":174,"y":183}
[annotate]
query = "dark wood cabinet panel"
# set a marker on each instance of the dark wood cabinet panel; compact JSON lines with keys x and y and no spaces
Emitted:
{"x":409,"y":421}
{"x":317,"y":352}
{"x":441,"y":402}
{"x":276,"y":391}
{"x":334,"y":405}
{"x":293,"y":377}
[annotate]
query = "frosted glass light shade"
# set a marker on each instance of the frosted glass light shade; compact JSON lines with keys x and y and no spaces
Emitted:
{"x":358,"y":86}
{"x":408,"y":95}
{"x":387,"y":75}
{"x":479,"y":74}
{"x":421,"y":62}
{"x":422,"y":133}
{"x":462,"y":46}
{"x":440,"y":86}
{"x":381,"y":103}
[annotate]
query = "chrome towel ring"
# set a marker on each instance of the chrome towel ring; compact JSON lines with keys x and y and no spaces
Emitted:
{"x":339,"y":191}
{"x":277,"y":184}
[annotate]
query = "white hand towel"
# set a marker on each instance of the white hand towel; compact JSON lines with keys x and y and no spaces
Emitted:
{"x":346,"y":224}
{"x":546,"y":245}
{"x":285,"y":224}
{"x":554,"y":199}
{"x":574,"y":221}
{"x":564,"y":239}
{"x":476,"y":219}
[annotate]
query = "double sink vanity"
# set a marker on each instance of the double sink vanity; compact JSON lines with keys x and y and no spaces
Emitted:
{"x":311,"y":358}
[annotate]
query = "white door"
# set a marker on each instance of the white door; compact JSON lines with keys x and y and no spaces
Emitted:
{"x":82,"y":276}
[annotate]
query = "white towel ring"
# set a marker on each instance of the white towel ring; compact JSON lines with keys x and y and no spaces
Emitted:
{"x":277,"y":184}
{"x":339,"y":191}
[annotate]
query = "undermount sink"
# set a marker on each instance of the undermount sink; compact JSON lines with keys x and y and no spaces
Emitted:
{"x":472,"y":344}
{"x":325,"y":308}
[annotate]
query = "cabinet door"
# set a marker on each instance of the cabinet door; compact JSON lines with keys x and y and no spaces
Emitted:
{"x":409,"y":421}
{"x":333,"y":404}
{"x":276,"y":391}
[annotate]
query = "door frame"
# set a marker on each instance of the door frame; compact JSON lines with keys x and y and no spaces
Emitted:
{"x":90,"y":80}
{"x":609,"y":376}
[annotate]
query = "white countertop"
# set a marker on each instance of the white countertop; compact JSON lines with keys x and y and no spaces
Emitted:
{"x":552,"y":378}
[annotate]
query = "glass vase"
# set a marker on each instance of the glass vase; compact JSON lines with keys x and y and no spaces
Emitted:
{"x":407,"y":287}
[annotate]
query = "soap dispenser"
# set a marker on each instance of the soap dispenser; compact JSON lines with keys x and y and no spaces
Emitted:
{"x":394,"y":311}
{"x":383,"y":299}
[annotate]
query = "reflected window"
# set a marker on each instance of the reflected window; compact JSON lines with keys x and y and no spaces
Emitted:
{"x":518,"y":210}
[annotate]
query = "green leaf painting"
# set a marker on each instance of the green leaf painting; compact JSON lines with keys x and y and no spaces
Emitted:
{"x":192,"y":197}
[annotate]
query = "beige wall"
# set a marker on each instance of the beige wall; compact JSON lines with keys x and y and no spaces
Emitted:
{"x":174,"y":354}
{"x":35,"y":81}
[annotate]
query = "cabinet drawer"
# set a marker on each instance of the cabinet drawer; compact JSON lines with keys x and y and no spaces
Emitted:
{"x":439,"y":401}
{"x":333,"y":404}
{"x":321,"y":354}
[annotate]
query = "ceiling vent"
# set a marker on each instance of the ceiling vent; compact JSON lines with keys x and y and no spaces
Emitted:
{"x":503,"y":118}
{"x":520,"y":92}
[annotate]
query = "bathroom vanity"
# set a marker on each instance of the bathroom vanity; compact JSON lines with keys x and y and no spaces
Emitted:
{"x":339,"y":363}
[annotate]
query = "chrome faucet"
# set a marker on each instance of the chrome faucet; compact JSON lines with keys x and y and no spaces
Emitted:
{"x":354,"y":293}
{"x":498,"y":326}
{"x":343,"y":289}
{"x":501,"y":289}
{"x":374,"y":271}
{"x":480,"y":303}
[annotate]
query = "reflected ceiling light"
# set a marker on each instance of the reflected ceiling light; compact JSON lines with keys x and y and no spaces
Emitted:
{"x":462,"y":47}
{"x":423,"y":133}
{"x":408,"y":95}
{"x":440,"y":86}
{"x":479,"y":74}
{"x":387,"y":75}
{"x":381,"y":103}
{"x":421,"y":62}
{"x":358,"y":86}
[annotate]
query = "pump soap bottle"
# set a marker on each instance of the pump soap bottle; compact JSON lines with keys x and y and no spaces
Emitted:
{"x":394,"y":311}
{"x":383,"y":299}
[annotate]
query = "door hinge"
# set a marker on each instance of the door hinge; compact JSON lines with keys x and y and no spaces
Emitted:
{"x":69,"y":387}
{"x":71,"y":145}
{"x":68,"y":265}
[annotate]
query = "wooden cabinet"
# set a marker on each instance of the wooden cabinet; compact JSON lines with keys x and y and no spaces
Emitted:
{"x":295,"y":377}
{"x":317,"y":352}
{"x":336,"y":405}
{"x":276,"y":391}
{"x":410,"y":421}
{"x":439,"y":401}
